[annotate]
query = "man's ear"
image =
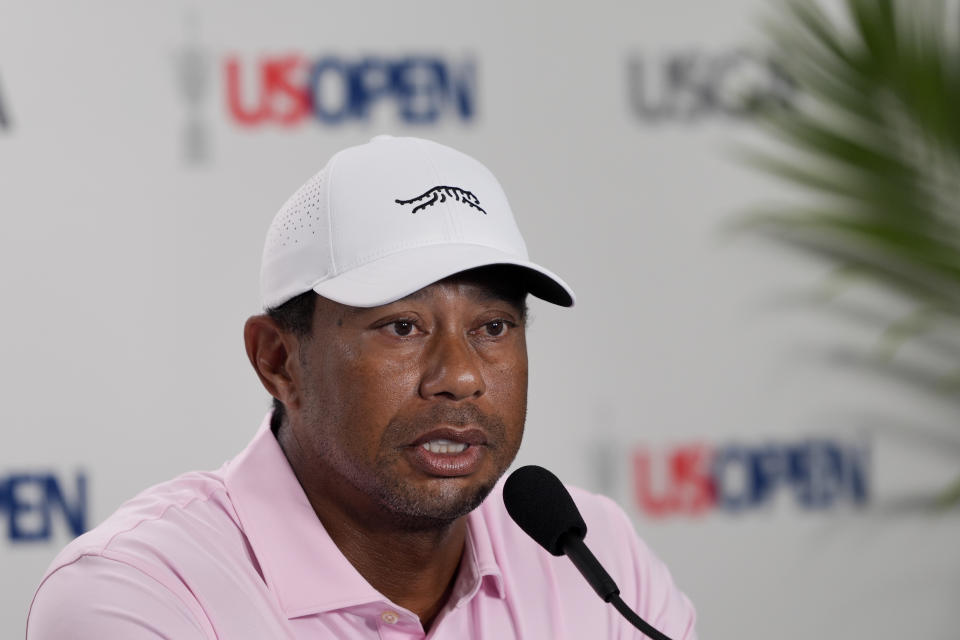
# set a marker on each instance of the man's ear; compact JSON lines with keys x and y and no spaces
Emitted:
{"x":273,"y":352}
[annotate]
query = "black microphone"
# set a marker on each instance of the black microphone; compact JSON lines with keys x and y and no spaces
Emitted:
{"x":542,"y":506}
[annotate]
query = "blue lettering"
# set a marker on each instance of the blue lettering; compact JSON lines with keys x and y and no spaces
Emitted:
{"x":323,"y":111}
{"x":815,"y":472}
{"x":736,"y":459}
{"x":28,"y":517}
{"x":31,"y":500}
{"x":370,"y":80}
{"x":820,"y":474}
{"x":767,"y":470}
{"x":421,"y":88}
{"x":75,"y":514}
{"x":426,"y":86}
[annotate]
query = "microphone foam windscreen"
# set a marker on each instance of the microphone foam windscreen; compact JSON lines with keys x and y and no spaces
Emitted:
{"x":542,"y":506}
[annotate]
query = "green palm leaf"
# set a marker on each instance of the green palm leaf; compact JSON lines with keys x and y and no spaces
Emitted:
{"x":873,"y":142}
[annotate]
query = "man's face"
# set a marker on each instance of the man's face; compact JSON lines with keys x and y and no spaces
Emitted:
{"x":414,"y":408}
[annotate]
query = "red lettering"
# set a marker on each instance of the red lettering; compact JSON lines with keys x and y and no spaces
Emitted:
{"x":686,"y":487}
{"x":690,"y":471}
{"x":643,"y":480}
{"x":277,"y":76}
{"x":280,"y":98}
{"x":244,"y":116}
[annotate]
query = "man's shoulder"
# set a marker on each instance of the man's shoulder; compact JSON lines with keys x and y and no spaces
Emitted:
{"x":171,"y":554}
{"x":178,"y":518}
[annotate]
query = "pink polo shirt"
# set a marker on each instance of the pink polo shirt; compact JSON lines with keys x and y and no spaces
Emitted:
{"x":239,"y":554}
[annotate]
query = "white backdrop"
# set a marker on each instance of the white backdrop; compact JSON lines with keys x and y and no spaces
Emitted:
{"x":134,"y":209}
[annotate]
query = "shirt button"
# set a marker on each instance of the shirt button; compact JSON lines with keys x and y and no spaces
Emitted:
{"x":390,"y":617}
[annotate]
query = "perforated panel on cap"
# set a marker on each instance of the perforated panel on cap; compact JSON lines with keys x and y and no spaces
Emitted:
{"x":299,"y":220}
{"x":346,"y":235}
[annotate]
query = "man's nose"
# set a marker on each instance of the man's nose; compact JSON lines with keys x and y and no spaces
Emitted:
{"x":452,"y":369}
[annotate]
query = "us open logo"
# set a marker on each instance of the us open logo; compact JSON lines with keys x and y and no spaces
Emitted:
{"x":691,"y":85}
{"x":290,"y":89}
{"x":696,"y":478}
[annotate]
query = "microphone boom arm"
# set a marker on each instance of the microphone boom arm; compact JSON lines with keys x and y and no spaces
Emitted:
{"x":588,"y":565}
{"x":541,"y":506}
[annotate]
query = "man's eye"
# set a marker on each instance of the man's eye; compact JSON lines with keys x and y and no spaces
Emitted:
{"x":402,"y":327}
{"x":496,"y":328}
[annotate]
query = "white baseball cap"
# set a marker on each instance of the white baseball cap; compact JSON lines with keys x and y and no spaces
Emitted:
{"x":384,"y":219}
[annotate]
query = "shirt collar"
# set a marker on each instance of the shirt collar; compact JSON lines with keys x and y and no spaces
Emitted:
{"x":479,"y":565}
{"x":299,"y":561}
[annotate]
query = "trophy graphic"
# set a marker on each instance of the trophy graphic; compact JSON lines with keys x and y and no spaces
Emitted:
{"x":193,"y":75}
{"x":4,"y":120}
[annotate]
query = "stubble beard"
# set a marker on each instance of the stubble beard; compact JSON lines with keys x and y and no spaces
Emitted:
{"x":407,"y":506}
{"x":412,"y":511}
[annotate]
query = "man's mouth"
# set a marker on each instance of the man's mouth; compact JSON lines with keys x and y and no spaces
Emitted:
{"x":449,"y":439}
{"x":449,"y":451}
{"x":442,"y":445}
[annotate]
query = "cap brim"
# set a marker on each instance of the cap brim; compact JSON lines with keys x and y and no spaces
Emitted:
{"x":399,"y":274}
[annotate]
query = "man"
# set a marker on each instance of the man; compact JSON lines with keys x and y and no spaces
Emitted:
{"x":367,"y":506}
